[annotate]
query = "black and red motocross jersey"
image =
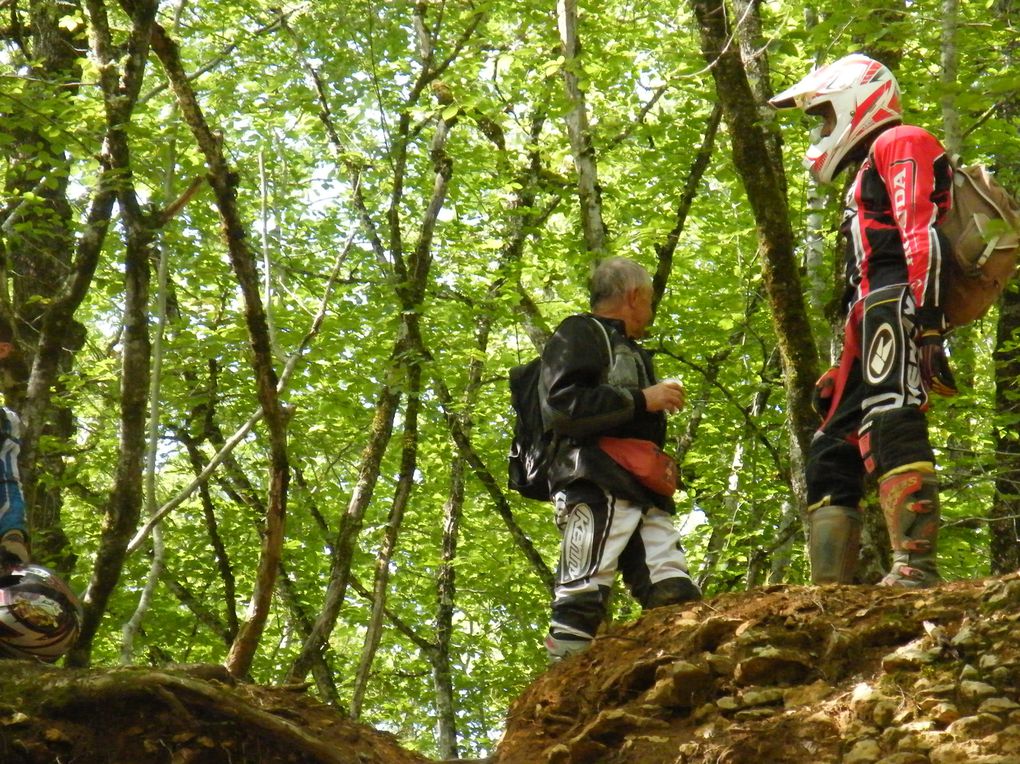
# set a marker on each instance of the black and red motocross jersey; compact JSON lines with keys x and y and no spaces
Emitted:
{"x":900,"y":195}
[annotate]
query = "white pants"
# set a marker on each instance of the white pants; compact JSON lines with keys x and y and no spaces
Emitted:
{"x":603,"y":534}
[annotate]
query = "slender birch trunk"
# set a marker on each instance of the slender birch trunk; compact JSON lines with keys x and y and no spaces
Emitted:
{"x":381,"y":431}
{"x":156,"y":565}
{"x":948,"y":77}
{"x":405,"y":484}
{"x":446,"y":595}
{"x":419,"y":266}
{"x":589,"y":193}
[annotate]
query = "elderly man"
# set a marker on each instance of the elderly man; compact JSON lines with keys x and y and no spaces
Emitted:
{"x":598,"y":382}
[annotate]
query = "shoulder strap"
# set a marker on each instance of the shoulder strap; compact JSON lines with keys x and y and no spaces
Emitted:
{"x":609,"y":342}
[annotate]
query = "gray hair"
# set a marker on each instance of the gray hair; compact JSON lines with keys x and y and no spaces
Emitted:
{"x":613,"y":278}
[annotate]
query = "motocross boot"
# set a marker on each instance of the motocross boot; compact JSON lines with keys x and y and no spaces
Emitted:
{"x":910,"y":502}
{"x":834,"y":545}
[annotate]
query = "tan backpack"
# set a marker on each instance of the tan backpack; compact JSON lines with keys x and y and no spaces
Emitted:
{"x":984,"y":229}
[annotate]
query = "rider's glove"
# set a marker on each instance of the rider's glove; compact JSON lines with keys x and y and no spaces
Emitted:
{"x":935,"y":372}
{"x":821,"y":398}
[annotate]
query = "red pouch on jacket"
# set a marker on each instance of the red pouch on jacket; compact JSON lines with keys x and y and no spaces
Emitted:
{"x":644,"y":460}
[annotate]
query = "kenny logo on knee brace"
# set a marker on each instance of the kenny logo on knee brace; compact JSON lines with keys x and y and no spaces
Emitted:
{"x":881,"y":354}
{"x":577,"y":542}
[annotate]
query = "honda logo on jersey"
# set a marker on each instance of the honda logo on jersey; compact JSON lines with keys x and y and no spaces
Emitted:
{"x":900,"y":190}
{"x":881,"y":355}
{"x":903,"y":181}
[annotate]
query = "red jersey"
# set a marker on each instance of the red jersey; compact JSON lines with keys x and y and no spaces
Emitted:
{"x":900,"y":195}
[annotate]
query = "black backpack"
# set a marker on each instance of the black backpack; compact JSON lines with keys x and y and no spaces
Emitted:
{"x":533,"y":445}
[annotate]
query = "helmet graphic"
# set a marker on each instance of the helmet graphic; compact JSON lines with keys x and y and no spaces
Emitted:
{"x":854,"y":96}
{"x":39,"y":615}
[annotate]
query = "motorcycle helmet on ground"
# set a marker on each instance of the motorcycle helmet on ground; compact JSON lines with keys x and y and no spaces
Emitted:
{"x":39,"y":615}
{"x":854,"y":96}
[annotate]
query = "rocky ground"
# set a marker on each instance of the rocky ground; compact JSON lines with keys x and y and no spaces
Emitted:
{"x":790,"y":674}
{"x":811,"y":675}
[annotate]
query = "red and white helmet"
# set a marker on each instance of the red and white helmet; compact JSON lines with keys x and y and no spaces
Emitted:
{"x":854,"y":96}
{"x":39,"y":615}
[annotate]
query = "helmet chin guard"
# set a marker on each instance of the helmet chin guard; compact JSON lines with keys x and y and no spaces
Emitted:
{"x":854,"y":96}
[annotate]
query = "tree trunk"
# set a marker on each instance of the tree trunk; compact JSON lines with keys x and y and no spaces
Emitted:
{"x":322,"y":672}
{"x":158,"y":562}
{"x":410,"y":280}
{"x":405,"y":484}
{"x":39,"y":264}
{"x":1004,"y":515}
{"x":446,"y":592}
{"x":1004,"y":528}
{"x":765,"y":185}
{"x":665,"y":250}
{"x":948,"y":78}
{"x":589,"y":193}
{"x":124,"y":508}
{"x":224,"y":183}
{"x":350,"y":525}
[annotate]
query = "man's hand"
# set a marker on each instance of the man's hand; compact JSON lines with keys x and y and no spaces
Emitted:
{"x":935,"y":372}
{"x":825,"y":388}
{"x":668,"y":396}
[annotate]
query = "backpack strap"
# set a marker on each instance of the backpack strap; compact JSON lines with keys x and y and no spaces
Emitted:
{"x":609,"y":342}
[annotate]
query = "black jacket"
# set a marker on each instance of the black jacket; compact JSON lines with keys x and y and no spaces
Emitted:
{"x":583,"y":399}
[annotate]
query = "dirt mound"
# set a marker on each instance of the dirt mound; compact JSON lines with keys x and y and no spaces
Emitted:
{"x":789,"y":674}
{"x":194,"y":715}
{"x":857,"y":675}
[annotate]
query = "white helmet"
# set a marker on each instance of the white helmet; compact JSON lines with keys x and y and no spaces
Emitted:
{"x":39,"y":615}
{"x":854,"y":95}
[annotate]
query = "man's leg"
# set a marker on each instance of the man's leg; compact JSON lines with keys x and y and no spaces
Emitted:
{"x":835,"y":487}
{"x":834,"y":474}
{"x":13,"y":525}
{"x":910,"y":502}
{"x":835,"y":543}
{"x":595,"y":528}
{"x":894,"y":438}
{"x":654,"y":565}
